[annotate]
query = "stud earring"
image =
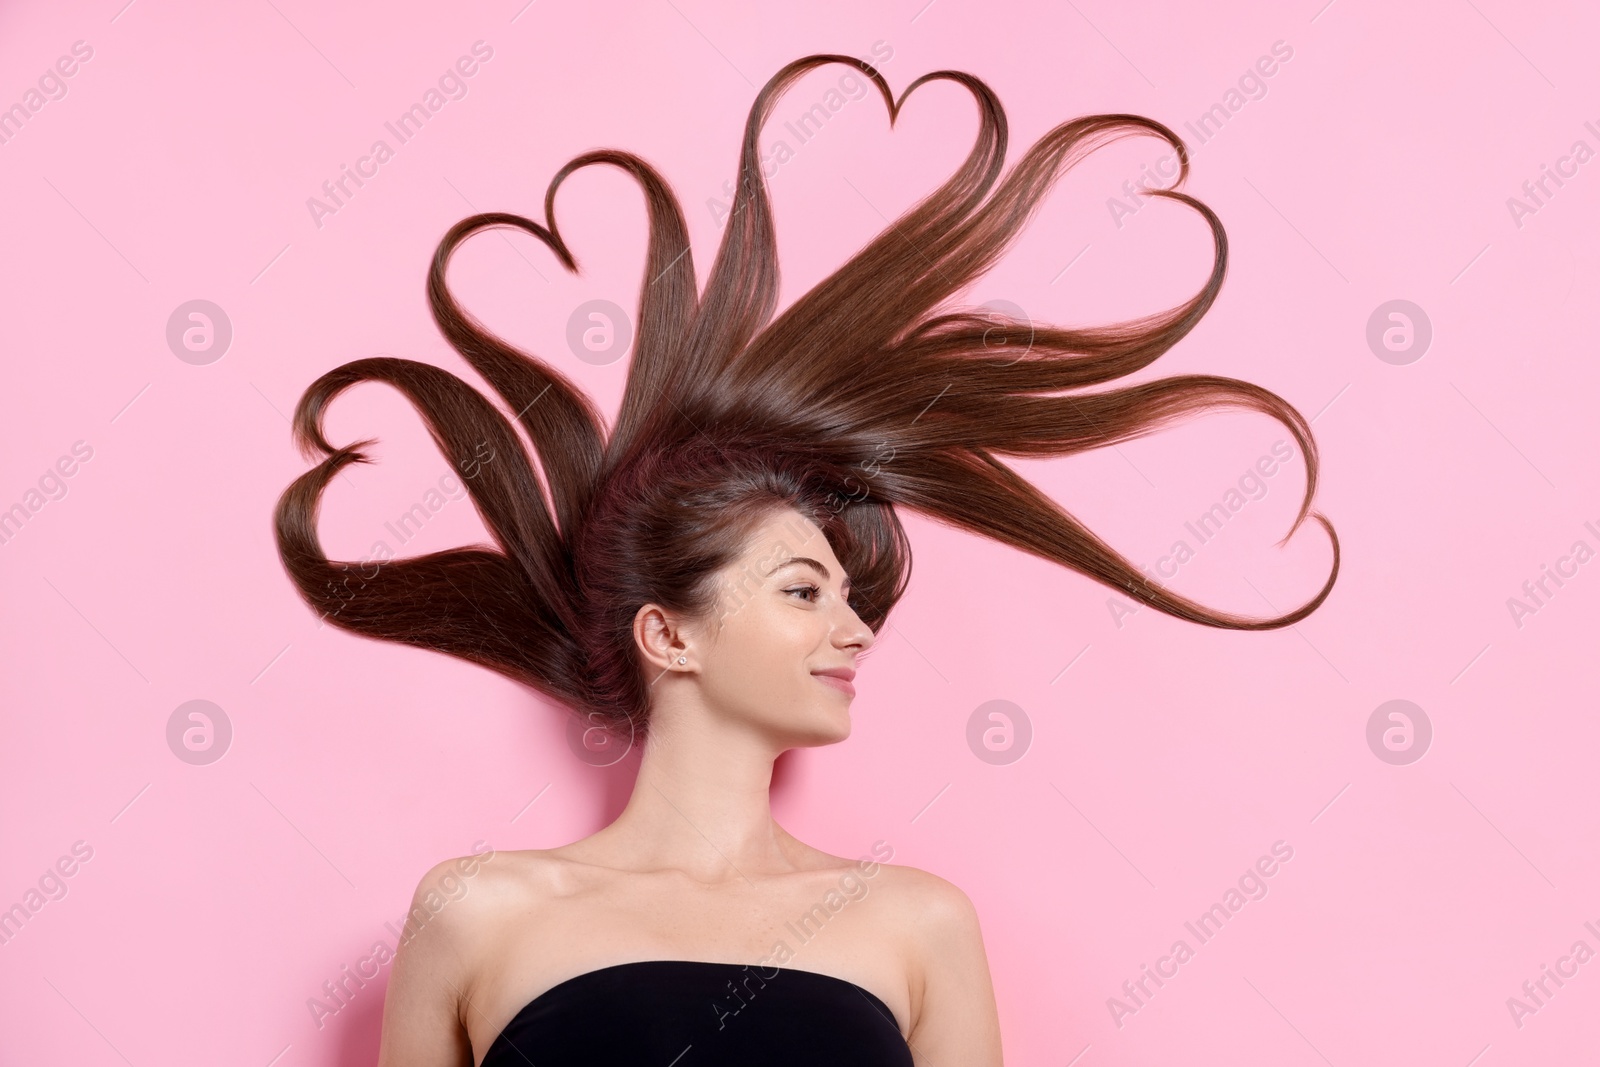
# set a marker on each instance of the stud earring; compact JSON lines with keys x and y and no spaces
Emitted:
{"x":682,"y":659}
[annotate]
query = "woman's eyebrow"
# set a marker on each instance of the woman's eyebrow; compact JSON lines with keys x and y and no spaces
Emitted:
{"x":807,"y":561}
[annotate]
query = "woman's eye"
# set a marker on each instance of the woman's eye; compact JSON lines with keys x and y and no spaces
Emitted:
{"x":812,"y":589}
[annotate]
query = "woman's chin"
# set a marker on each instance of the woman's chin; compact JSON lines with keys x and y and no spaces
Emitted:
{"x":823,"y":726}
{"x":834,"y":724}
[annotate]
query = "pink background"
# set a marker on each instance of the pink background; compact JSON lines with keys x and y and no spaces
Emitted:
{"x":1163,"y":763}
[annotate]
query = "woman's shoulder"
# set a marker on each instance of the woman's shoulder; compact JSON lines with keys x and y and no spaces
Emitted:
{"x":933,"y":926}
{"x":921,"y":904}
{"x":922,"y":897}
{"x":464,"y":894}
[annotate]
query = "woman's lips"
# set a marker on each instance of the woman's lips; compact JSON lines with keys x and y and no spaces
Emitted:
{"x":847,"y":688}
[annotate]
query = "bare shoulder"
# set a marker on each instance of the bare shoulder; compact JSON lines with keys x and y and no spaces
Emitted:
{"x":449,"y":931}
{"x":459,"y":897}
{"x":954,"y":1018}
{"x":931,"y":904}
{"x":454,"y":912}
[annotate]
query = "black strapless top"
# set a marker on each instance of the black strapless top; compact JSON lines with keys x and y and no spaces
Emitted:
{"x":678,"y":1013}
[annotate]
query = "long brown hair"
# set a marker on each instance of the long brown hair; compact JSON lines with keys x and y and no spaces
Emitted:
{"x":864,"y":395}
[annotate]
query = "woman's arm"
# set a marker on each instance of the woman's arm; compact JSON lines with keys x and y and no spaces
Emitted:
{"x":422,"y":1024}
{"x":957,"y":1021}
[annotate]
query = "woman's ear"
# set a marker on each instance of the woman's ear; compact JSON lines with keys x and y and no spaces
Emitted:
{"x":660,"y":638}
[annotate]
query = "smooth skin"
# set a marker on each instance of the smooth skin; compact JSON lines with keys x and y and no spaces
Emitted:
{"x":695,"y":867}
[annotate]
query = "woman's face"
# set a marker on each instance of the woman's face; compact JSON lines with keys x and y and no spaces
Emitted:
{"x":781,"y":619}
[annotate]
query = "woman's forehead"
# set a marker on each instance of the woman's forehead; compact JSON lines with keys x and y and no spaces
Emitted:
{"x":788,"y":539}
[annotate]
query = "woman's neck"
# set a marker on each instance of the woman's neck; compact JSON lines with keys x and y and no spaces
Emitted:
{"x":702,"y":805}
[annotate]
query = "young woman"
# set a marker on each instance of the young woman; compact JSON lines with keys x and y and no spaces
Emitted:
{"x":703,"y":582}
